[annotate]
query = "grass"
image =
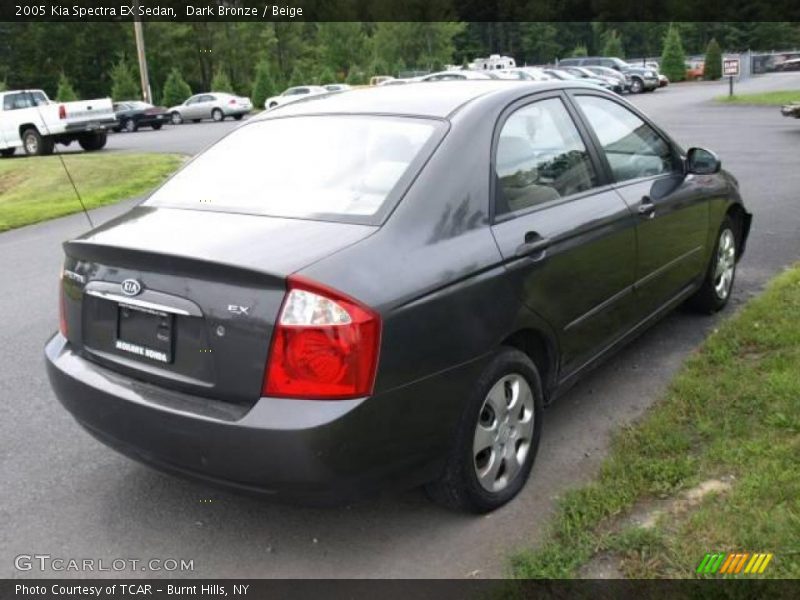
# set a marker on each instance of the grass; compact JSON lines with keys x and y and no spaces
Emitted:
{"x":731,"y":412}
{"x":777,"y":98}
{"x":34,"y":189}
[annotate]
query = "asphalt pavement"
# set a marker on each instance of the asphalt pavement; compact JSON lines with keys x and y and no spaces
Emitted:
{"x":66,"y":495}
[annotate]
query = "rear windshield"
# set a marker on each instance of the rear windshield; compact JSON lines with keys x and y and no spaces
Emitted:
{"x":348,"y":168}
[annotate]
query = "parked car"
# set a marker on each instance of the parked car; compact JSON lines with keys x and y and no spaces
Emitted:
{"x":523,"y":74}
{"x":336,"y":87}
{"x":133,"y":114}
{"x":294,"y":93}
{"x":643,"y":79}
{"x":379,"y":79}
{"x":663,"y":80}
{"x":791,"y":110}
{"x":695,"y":70}
{"x":212,"y":105}
{"x":457,"y":75}
{"x":30,"y":120}
{"x":793,"y":64}
{"x":564,"y":75}
{"x":612,"y":83}
{"x":331,"y":300}
{"x":623,"y":79}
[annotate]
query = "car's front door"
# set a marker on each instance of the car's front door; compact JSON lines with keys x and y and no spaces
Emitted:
{"x":206,"y":106}
{"x":567,"y":237}
{"x":191,"y":108}
{"x":673,"y":218}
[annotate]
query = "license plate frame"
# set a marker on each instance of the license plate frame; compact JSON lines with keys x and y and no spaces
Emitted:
{"x":145,"y":333}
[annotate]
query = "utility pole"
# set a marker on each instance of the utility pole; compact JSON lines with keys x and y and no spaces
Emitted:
{"x":140,"y":53}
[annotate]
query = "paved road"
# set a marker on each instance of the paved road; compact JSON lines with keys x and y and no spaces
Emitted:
{"x":64,"y":494}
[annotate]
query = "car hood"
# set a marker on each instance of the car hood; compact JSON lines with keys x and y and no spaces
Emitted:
{"x":274,"y":245}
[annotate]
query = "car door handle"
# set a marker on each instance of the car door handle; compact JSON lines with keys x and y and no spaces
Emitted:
{"x":533,"y":244}
{"x":647,"y":209}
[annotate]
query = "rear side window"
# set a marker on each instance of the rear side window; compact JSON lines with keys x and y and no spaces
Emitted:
{"x":333,"y":167}
{"x":540,"y":157}
{"x":632,"y":147}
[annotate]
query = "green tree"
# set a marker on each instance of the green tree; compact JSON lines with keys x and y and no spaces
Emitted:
{"x":123,"y":81}
{"x":356,"y":76}
{"x":298,"y":77}
{"x":65,"y":92}
{"x":176,"y":90}
{"x":579,"y":50}
{"x":673,"y":59}
{"x":612,"y":44}
{"x":326,"y":75}
{"x":263,"y":84}
{"x":221,"y":82}
{"x":3,"y":85}
{"x":713,"y":65}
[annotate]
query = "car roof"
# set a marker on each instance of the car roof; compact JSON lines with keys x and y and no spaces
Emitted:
{"x":423,"y":99}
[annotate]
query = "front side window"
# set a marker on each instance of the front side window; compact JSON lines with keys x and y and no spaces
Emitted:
{"x":633,"y":148}
{"x":338,"y":168}
{"x":540,"y":157}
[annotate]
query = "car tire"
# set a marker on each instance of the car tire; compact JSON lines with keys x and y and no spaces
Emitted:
{"x":156,"y":126}
{"x":476,"y":479}
{"x":36,"y":145}
{"x":238,"y":117}
{"x":176,"y":118}
{"x":637,"y":86}
{"x":130,"y":125}
{"x":217,"y":115}
{"x":717,"y":285}
{"x":91,"y":142}
{"x":6,"y":152}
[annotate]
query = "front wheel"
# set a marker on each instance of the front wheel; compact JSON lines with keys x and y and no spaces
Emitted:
{"x":497,"y":437}
{"x":715,"y":292}
{"x":130,"y":125}
{"x":35,"y":144}
{"x":637,"y":86}
{"x":92,"y":141}
{"x":217,"y":115}
{"x":176,"y":118}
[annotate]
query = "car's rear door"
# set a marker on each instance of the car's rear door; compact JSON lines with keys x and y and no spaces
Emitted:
{"x":567,"y":237}
{"x":673,"y":218}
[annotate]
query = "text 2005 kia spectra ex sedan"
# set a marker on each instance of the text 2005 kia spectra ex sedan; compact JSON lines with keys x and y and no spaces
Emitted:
{"x":386,"y":287}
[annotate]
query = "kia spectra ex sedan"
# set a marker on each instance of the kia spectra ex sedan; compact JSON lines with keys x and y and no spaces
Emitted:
{"x":385,"y":288}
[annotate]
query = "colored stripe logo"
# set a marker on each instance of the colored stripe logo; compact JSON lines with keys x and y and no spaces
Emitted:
{"x":734,"y":563}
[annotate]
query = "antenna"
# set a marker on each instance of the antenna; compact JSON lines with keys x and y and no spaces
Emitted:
{"x":63,"y":164}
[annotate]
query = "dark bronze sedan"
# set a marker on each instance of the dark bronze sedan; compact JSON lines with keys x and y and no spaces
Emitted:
{"x":385,"y":289}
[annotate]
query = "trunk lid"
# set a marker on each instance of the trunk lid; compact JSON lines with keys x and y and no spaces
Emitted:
{"x":187,"y":299}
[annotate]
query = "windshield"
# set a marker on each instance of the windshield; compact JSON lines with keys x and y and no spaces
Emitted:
{"x":341,"y":168}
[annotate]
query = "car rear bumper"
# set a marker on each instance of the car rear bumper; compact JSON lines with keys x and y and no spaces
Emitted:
{"x":88,"y":126}
{"x":314,"y":451}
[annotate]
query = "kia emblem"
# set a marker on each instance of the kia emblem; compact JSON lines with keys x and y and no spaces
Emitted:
{"x":131,"y":287}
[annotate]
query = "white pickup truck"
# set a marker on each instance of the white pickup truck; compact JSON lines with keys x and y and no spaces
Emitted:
{"x":29,"y":119}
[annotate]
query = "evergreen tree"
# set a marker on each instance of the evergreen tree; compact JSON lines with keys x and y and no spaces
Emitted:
{"x":579,"y":50}
{"x":123,"y":82}
{"x":221,"y":82}
{"x":3,"y":85}
{"x":263,"y":84}
{"x":65,"y":92}
{"x":326,"y":76}
{"x":673,"y":59}
{"x":612,"y":45}
{"x":176,"y":90}
{"x":297,"y":77}
{"x":713,"y":65}
{"x":355,"y":76}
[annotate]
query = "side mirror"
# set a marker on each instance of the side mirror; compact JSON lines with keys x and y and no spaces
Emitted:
{"x":700,"y":161}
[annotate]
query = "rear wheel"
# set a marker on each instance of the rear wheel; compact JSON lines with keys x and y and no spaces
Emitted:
{"x":637,"y":86}
{"x":715,"y":292}
{"x":497,"y":437}
{"x":92,"y":141}
{"x":6,"y":152}
{"x":130,"y":125}
{"x":176,"y":118}
{"x":217,"y":115}
{"x":36,"y":145}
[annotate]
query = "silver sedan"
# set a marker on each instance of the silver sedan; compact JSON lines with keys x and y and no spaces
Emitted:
{"x":213,"y":105}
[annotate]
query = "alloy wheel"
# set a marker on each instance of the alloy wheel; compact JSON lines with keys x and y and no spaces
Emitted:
{"x":504,"y":433}
{"x":726,"y":264}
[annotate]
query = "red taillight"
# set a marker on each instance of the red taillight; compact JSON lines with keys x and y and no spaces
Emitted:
{"x":62,"y":306}
{"x":62,"y":111}
{"x":324,"y":346}
{"x":232,"y":101}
